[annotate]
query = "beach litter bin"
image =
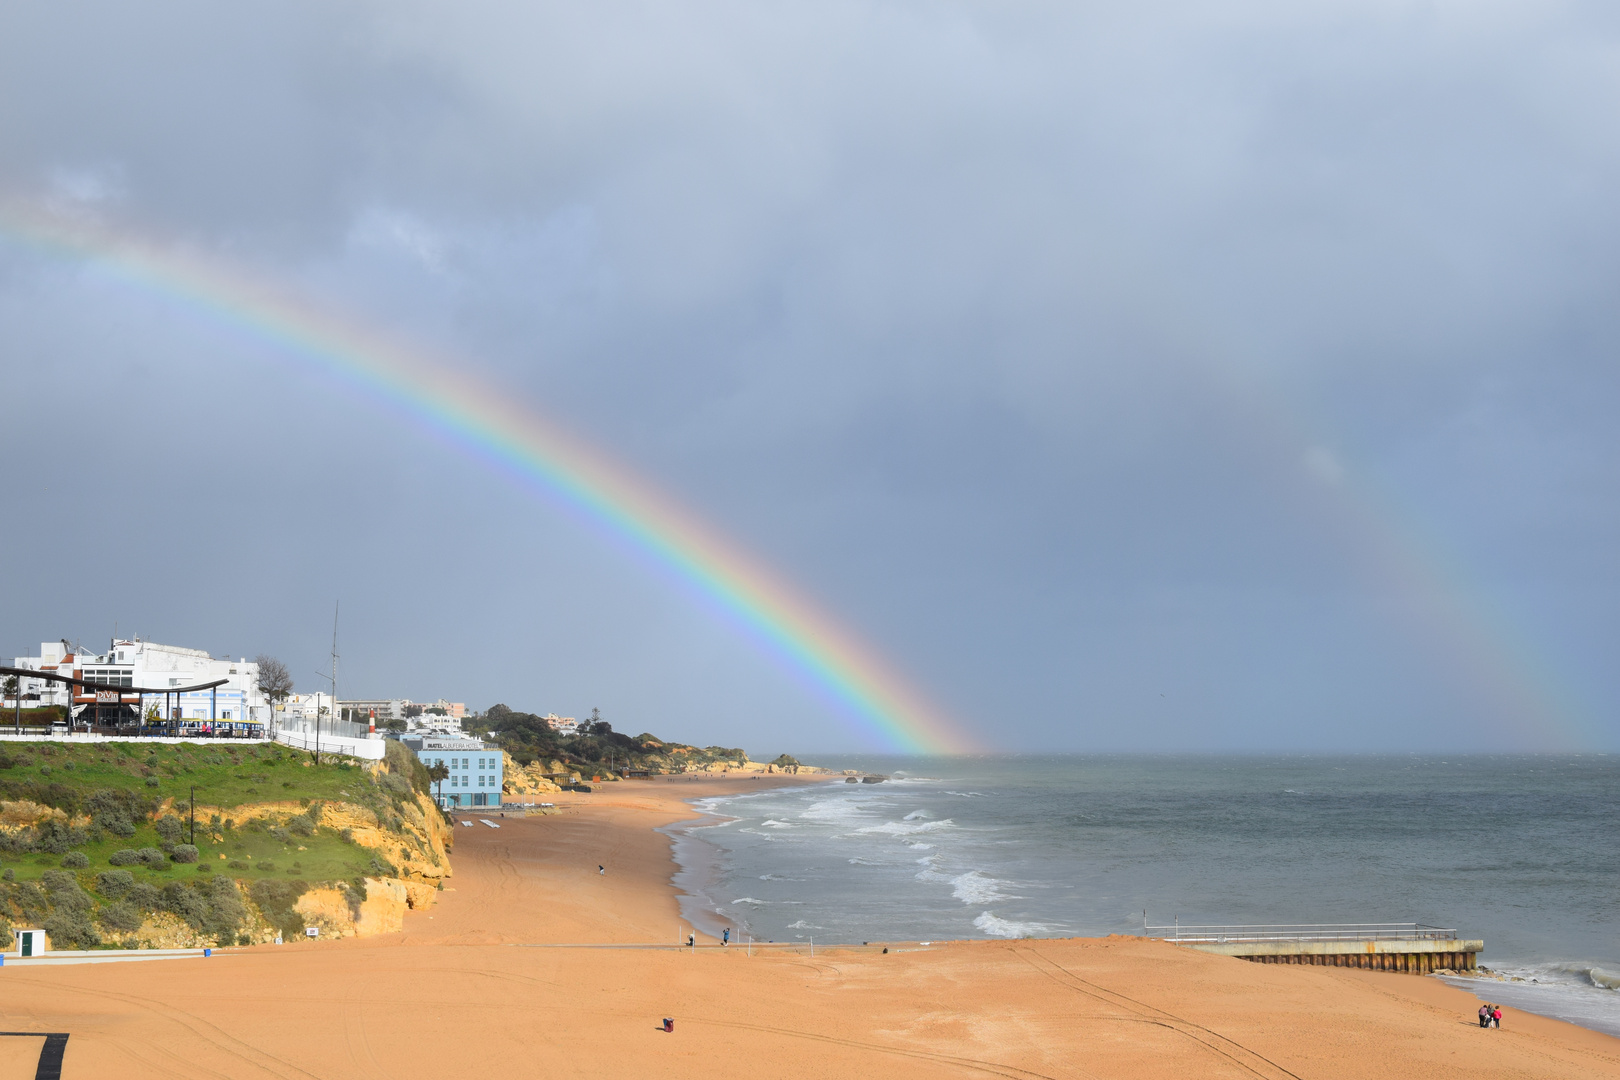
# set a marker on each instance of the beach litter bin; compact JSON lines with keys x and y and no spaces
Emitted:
{"x":669,"y":1023}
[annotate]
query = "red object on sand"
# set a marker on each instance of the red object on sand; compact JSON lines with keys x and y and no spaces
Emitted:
{"x":669,"y":1023}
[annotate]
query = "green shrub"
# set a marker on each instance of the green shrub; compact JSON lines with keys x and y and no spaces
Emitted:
{"x":301,"y":826}
{"x":395,"y":786}
{"x":75,"y":860}
{"x":124,"y":857}
{"x":184,"y":853}
{"x":401,"y":761}
{"x":145,"y":896}
{"x":55,"y":838}
{"x":276,"y":900}
{"x":116,"y":811}
{"x":121,"y":915}
{"x":114,"y":884}
{"x":70,"y":929}
{"x":30,"y":899}
{"x":151,"y":781}
{"x":170,"y":828}
{"x":152,"y":857}
{"x":64,"y":891}
{"x":185,"y":902}
{"x":9,"y":875}
{"x":226,"y":912}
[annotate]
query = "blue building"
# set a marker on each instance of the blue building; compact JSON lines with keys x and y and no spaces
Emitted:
{"x":475,"y":770}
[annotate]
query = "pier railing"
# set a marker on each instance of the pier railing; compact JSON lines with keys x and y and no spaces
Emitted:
{"x":1303,"y":932}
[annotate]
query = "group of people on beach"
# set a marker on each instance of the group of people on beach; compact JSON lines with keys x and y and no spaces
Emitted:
{"x":1490,"y":1016}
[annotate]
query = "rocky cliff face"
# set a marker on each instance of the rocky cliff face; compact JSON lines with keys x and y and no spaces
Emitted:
{"x":333,"y":911}
{"x":526,"y":779}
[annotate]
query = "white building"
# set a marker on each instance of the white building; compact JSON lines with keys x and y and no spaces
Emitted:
{"x":364,"y":710}
{"x":141,"y":680}
{"x":306,"y":707}
{"x":562,"y":725}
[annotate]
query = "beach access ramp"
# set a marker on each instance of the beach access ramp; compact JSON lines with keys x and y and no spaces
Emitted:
{"x":1409,"y":947}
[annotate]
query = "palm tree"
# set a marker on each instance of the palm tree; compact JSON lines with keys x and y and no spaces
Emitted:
{"x":438,"y":773}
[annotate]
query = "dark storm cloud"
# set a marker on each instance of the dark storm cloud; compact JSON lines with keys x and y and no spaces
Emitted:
{"x":1072,"y":353}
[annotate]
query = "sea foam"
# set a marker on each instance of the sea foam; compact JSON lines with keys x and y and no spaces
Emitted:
{"x":1007,"y":928}
{"x":974,"y":888}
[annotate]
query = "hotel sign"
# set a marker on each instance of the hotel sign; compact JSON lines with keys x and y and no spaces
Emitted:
{"x":107,"y":697}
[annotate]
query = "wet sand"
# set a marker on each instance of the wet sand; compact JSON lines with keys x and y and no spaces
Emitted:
{"x":498,"y":978}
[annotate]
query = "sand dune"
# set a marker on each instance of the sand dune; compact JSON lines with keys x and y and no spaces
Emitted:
{"x":526,"y":968}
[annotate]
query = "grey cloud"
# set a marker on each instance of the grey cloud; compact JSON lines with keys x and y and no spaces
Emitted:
{"x":1049,"y":344}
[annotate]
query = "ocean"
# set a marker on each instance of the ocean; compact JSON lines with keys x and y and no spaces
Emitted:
{"x":1522,"y":851}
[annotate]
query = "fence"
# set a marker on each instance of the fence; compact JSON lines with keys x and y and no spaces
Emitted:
{"x":339,"y":728}
{"x":1302,"y":932}
{"x":368,"y":747}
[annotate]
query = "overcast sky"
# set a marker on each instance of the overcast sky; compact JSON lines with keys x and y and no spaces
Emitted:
{"x":1137,"y":376}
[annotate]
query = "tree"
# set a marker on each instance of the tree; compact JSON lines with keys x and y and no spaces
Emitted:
{"x":438,"y":772}
{"x":275,"y":681}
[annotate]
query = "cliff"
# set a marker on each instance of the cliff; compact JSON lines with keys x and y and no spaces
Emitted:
{"x":103,"y":845}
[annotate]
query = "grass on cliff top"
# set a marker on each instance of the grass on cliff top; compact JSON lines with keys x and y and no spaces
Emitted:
{"x":248,"y":855}
{"x":225,"y":774}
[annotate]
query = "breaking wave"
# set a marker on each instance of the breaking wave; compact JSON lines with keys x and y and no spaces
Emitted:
{"x":1007,"y":928}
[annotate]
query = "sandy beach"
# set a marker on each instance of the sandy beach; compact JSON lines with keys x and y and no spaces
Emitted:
{"x":535,"y":964}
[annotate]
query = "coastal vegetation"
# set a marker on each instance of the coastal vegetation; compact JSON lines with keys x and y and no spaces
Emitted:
{"x":121,"y":844}
{"x":596,"y":747}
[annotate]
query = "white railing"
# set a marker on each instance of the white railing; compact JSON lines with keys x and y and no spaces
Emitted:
{"x":370,"y":747}
{"x":327,"y":727}
{"x":1302,"y":932}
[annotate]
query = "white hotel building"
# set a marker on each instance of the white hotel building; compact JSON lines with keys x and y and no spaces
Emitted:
{"x":129,"y":667}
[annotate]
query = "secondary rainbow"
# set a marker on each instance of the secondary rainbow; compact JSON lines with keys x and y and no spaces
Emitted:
{"x":506,"y":434}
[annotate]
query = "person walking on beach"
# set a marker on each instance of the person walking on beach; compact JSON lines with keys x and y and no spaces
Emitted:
{"x":1496,"y":1016}
{"x":1485,"y":1015}
{"x":725,"y":936}
{"x":600,"y":869}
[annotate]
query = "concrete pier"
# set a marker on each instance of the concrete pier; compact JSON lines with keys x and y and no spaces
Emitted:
{"x":1418,"y":957}
{"x":1408,"y":947}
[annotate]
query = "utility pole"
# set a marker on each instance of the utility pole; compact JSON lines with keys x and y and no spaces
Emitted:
{"x":194,"y":816}
{"x":337,"y":713}
{"x":332,"y":678}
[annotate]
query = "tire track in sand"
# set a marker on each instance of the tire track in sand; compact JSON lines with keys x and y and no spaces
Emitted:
{"x":1250,"y":1061}
{"x":206,"y":1031}
{"x":994,"y":1068}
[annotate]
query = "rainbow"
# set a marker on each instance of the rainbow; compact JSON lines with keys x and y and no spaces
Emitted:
{"x":497,"y":429}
